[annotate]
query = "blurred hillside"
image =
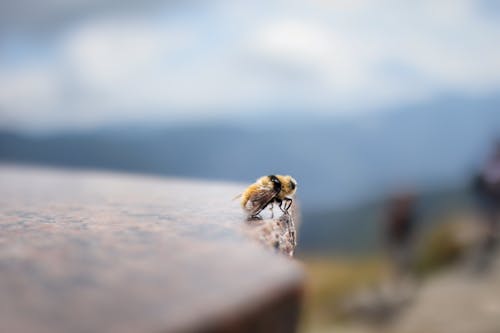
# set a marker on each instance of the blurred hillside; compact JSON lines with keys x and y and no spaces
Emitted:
{"x":338,"y":161}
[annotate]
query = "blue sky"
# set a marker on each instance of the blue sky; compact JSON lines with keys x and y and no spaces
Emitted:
{"x":86,"y":64}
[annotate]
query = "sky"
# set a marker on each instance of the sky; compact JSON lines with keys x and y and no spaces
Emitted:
{"x":88,"y":63}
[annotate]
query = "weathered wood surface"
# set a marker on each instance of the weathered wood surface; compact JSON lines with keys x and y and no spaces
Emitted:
{"x":101,"y":252}
{"x":279,"y":233}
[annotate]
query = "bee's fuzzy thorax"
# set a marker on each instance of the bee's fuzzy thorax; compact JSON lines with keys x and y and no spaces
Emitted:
{"x":265,"y":181}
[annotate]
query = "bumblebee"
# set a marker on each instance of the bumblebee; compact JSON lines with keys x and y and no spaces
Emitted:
{"x":268,"y":190}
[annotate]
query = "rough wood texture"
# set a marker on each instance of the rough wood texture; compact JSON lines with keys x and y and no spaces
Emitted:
{"x":97,"y":252}
{"x":279,"y":233}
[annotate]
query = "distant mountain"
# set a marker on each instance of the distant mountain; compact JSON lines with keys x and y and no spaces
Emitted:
{"x":337,"y":160}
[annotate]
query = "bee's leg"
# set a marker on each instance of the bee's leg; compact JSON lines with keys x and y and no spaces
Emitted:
{"x":288,"y":204}
{"x":280,"y":204}
{"x":251,"y":218}
{"x":262,"y":208}
{"x":256,"y":214}
{"x":283,"y":205}
{"x":271,"y":206}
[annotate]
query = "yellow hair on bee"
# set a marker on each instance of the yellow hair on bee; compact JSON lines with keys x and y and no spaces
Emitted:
{"x":245,"y":196}
{"x":261,"y":183}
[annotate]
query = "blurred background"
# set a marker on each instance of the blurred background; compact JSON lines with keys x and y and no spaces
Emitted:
{"x":385,"y":112}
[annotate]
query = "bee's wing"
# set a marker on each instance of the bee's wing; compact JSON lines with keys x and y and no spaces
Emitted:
{"x":260,"y":199}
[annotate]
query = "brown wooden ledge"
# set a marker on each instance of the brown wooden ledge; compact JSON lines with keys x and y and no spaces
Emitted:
{"x":102,"y":252}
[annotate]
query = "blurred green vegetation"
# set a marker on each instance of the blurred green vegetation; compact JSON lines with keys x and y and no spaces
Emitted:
{"x":331,"y":281}
{"x":443,"y":245}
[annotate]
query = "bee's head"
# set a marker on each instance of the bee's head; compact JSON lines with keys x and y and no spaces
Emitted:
{"x":288,"y":185}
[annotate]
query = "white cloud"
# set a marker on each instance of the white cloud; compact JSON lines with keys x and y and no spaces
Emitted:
{"x":342,"y":55}
{"x":104,"y":53}
{"x":367,"y":54}
{"x":28,"y":94}
{"x":301,"y":43}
